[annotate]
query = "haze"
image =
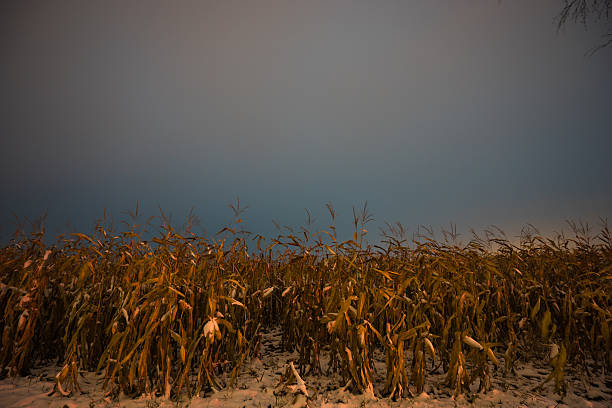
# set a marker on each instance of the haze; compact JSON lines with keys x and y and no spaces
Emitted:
{"x":472,"y":112}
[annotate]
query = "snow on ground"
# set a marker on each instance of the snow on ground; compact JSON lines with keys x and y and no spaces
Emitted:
{"x":260,"y":379}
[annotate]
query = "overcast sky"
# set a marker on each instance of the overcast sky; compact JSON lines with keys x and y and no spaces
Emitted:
{"x":472,"y":112}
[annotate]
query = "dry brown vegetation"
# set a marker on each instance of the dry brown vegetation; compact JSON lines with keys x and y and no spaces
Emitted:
{"x":171,"y":314}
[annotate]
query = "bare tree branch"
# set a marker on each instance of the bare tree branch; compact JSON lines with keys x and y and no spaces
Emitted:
{"x":602,"y":45}
{"x":585,"y":12}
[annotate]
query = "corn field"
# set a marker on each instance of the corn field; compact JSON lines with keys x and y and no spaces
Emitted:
{"x":172,"y":314}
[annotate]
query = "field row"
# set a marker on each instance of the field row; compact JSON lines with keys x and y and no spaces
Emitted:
{"x":170,"y":315}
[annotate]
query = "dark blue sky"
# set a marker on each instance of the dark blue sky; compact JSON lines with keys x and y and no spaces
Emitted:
{"x":472,"y":112}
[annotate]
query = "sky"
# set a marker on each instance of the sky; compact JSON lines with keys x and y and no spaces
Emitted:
{"x":475,"y":113}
